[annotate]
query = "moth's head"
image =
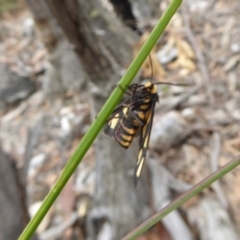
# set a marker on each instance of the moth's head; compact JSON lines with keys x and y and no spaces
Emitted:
{"x":151,"y":87}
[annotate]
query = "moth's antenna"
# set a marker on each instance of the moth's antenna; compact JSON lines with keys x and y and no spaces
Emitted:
{"x":166,"y":83}
{"x":151,"y":66}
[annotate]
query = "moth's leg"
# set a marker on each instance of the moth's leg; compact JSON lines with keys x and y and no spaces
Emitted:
{"x":125,"y":91}
{"x":131,"y":90}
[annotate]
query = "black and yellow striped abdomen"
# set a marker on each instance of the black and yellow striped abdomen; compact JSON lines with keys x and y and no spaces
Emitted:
{"x":129,"y":126}
{"x":128,"y":121}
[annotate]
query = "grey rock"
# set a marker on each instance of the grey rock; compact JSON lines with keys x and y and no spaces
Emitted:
{"x":13,"y":88}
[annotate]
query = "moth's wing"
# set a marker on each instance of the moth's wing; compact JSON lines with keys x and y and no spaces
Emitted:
{"x":113,"y":122}
{"x":143,"y":144}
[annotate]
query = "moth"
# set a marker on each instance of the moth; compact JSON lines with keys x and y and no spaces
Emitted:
{"x":132,"y":118}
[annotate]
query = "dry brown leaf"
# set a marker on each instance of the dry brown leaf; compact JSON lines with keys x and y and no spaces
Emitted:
{"x":185,"y":58}
{"x":147,"y":70}
{"x":176,"y":22}
{"x":185,"y":48}
{"x":230,"y":149}
{"x":51,"y":178}
{"x":183,"y":62}
{"x":186,"y":62}
{"x":231,"y":63}
{"x":154,"y":70}
{"x":235,"y":142}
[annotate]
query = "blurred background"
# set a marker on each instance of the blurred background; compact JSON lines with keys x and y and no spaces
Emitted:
{"x":60,"y":60}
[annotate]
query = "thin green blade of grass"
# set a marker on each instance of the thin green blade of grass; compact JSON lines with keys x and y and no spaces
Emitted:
{"x":182,"y":199}
{"x":97,"y":125}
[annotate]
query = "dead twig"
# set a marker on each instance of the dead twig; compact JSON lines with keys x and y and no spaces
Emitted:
{"x":201,"y":60}
{"x":177,"y":101}
{"x":216,"y":148}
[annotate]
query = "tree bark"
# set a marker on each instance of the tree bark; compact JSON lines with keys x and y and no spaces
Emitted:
{"x":103,"y":45}
{"x":63,"y":70}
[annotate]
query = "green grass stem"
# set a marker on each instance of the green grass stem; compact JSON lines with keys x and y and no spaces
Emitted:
{"x":182,"y":199}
